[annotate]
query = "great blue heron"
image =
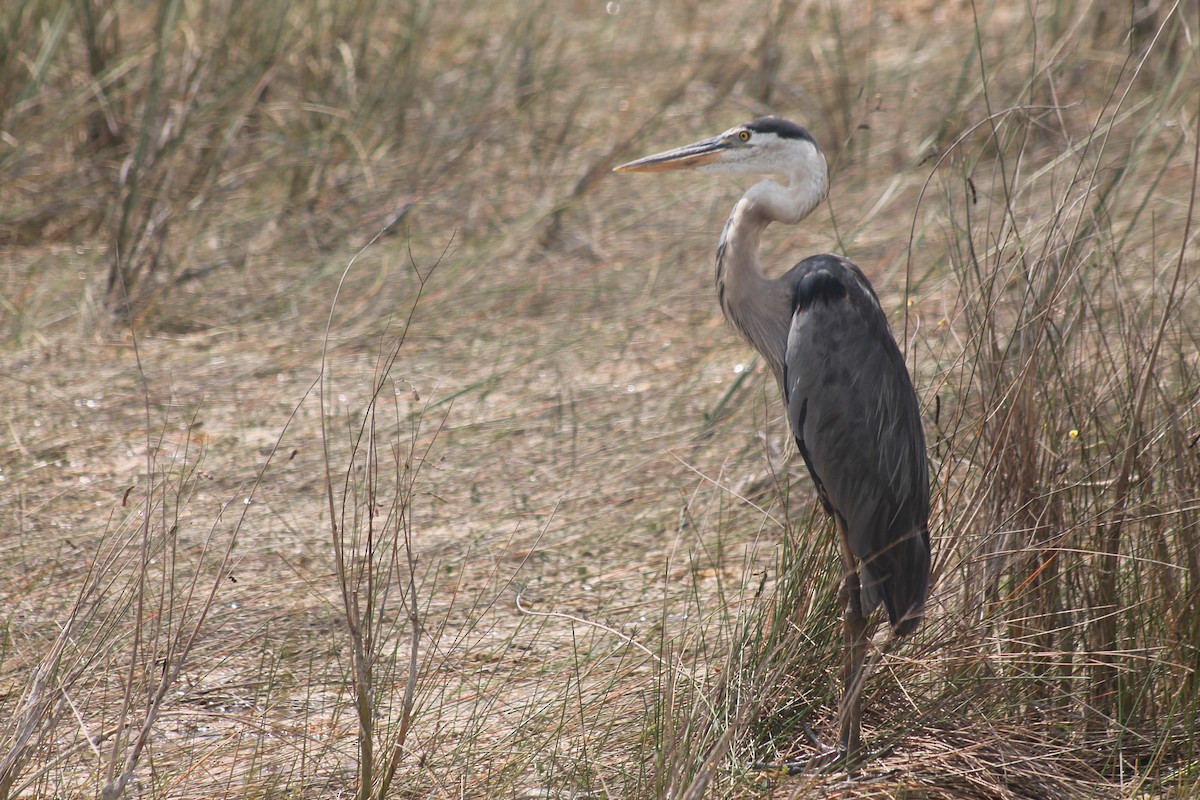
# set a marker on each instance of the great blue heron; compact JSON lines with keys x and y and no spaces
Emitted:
{"x":850,"y":401}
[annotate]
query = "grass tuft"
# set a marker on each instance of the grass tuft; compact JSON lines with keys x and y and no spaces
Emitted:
{"x":527,"y":525}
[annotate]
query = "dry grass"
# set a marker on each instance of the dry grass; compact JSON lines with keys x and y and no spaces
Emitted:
{"x":552,"y":549}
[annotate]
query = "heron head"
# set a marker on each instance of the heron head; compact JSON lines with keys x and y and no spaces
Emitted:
{"x":765,"y":146}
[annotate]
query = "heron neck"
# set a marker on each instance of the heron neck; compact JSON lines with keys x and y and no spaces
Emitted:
{"x":757,"y":306}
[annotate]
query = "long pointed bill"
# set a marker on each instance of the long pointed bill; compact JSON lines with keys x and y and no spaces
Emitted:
{"x":690,"y":155}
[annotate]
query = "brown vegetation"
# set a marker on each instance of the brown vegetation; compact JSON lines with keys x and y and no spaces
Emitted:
{"x":364,"y":436}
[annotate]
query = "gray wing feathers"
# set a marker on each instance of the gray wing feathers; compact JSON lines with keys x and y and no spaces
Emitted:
{"x":856,"y":420}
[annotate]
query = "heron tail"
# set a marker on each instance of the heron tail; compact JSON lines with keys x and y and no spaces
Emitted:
{"x":898,"y":577}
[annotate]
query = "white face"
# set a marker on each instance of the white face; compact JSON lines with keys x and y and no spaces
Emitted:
{"x":741,"y":151}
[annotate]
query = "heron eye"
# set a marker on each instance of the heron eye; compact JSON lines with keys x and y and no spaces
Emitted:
{"x":744,"y":135}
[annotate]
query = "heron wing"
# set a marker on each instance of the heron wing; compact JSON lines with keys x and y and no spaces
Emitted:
{"x":856,"y":420}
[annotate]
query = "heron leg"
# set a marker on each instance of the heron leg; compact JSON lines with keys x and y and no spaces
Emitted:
{"x":852,"y":676}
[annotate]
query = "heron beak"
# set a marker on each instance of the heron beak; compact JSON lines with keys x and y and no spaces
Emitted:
{"x":690,"y":155}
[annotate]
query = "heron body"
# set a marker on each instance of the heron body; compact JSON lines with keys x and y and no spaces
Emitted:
{"x":855,"y":418}
{"x":850,"y":401}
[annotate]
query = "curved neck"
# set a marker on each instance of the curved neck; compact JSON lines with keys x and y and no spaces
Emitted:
{"x":748,"y":298}
{"x":757,"y":306}
{"x":790,"y":203}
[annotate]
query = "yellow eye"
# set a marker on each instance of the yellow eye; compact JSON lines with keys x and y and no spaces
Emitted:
{"x":744,"y":135}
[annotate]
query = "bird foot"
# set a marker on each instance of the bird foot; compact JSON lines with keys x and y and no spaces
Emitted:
{"x":827,"y":759}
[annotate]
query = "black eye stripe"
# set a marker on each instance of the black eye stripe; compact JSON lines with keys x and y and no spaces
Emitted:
{"x":782,"y":128}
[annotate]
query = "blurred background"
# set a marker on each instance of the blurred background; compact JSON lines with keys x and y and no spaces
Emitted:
{"x":364,"y":435}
